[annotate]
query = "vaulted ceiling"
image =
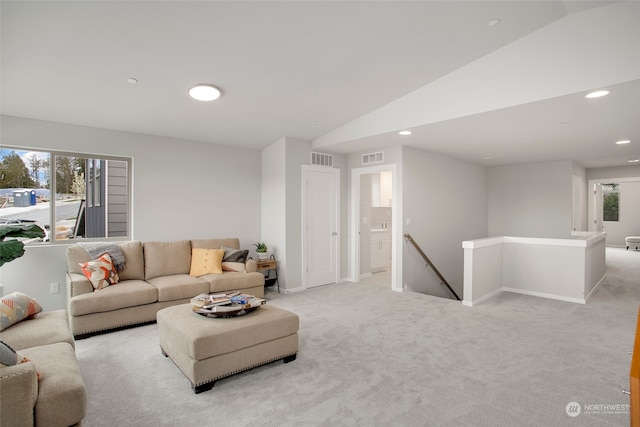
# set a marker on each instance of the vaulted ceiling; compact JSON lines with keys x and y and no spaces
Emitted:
{"x":345,"y":75}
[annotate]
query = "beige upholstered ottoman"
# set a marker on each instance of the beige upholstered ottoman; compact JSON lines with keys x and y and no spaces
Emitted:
{"x":207,"y":349}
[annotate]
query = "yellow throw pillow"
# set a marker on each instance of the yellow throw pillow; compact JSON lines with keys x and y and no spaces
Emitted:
{"x":206,"y":261}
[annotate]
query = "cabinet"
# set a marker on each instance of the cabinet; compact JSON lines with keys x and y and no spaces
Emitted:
{"x":266,"y":267}
{"x":380,"y":250}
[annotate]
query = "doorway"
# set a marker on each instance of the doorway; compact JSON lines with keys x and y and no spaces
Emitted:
{"x":374,"y":226}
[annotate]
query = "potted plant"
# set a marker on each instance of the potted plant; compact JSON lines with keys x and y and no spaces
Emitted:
{"x":13,"y":248}
{"x":261,"y":250}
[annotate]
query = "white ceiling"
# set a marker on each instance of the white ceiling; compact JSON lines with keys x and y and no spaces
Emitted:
{"x":317,"y":71}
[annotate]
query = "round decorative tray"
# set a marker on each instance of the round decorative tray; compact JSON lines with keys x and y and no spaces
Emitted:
{"x":231,"y":310}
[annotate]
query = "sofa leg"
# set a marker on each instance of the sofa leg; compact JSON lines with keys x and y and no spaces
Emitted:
{"x":290,"y":358}
{"x":164,"y":353}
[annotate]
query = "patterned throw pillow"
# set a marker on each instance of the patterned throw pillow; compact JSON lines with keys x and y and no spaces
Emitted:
{"x":100,"y":272}
{"x":206,"y":261}
{"x":16,"y":307}
{"x":10,"y":357}
{"x":234,"y":259}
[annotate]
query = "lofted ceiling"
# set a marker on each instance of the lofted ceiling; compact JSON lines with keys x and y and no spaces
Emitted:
{"x":344,"y":75}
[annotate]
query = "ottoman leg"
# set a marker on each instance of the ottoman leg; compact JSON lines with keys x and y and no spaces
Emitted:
{"x":164,"y":353}
{"x":290,"y":358}
{"x":202,"y":387}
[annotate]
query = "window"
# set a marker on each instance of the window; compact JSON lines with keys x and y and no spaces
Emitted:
{"x":70,"y":195}
{"x":611,"y":202}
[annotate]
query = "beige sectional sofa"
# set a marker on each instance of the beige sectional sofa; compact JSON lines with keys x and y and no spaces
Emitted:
{"x":156,"y":276}
{"x":59,"y":397}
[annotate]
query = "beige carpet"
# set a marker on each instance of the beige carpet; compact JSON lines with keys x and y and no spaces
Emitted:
{"x":372,"y":357}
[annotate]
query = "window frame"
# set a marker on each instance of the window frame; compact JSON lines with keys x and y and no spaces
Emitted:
{"x":615,"y":189}
{"x":53,"y":155}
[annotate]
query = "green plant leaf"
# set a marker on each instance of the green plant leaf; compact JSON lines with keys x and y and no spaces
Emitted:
{"x":28,"y":231}
{"x":10,"y":250}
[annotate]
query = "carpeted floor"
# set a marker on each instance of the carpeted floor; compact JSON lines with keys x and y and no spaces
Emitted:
{"x":372,"y":357}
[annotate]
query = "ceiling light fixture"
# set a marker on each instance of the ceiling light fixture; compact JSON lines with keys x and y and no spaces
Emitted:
{"x":132,"y":80}
{"x":405,"y":132}
{"x":633,"y":161}
{"x":624,"y":141}
{"x":493,"y":22}
{"x":597,"y":94}
{"x":204,"y":92}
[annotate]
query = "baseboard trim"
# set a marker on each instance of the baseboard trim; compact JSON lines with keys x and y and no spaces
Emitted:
{"x":483,"y":298}
{"x":545,"y":295}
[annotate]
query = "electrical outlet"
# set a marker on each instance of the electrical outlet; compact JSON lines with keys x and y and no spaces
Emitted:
{"x":55,"y":288}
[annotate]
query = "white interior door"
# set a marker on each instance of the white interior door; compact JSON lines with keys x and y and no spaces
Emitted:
{"x":320,"y":225}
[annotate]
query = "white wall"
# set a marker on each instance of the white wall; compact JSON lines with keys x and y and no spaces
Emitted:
{"x":531,"y":200}
{"x":282,"y":206}
{"x":274,"y":198}
{"x":446,"y":203}
{"x":181,"y":190}
{"x":573,"y":267}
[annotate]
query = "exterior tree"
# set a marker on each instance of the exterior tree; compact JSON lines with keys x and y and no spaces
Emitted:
{"x":14,"y":173}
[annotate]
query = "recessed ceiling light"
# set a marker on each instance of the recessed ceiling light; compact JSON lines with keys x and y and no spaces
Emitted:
{"x":597,"y":94}
{"x":493,"y":22}
{"x":132,"y":80}
{"x":624,"y":141}
{"x":487,"y":158}
{"x":633,"y":161}
{"x":204,"y":92}
{"x":405,"y":132}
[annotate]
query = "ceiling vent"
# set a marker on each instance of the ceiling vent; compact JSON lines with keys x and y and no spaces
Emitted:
{"x":322,"y":159}
{"x":372,"y":158}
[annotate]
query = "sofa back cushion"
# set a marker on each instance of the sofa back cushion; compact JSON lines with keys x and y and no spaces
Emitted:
{"x":231,"y":242}
{"x":166,"y":258}
{"x":132,"y":251}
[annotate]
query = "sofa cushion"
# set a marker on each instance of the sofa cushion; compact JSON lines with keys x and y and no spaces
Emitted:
{"x":206,"y":261}
{"x":132,"y":251}
{"x":166,"y":258}
{"x":101,"y":272}
{"x":231,"y":280}
{"x":179,"y":286}
{"x":62,"y":396}
{"x":129,"y":293}
{"x":16,"y":307}
{"x":232,"y":242}
{"x":134,"y":259}
{"x":47,"y":327}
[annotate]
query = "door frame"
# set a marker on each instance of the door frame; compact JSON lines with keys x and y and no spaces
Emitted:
{"x":336,"y":172}
{"x":396,"y":220}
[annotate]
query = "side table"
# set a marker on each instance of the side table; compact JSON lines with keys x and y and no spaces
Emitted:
{"x":269,"y":265}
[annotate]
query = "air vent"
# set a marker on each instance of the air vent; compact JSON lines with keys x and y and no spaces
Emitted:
{"x":322,"y":159}
{"x":372,"y":158}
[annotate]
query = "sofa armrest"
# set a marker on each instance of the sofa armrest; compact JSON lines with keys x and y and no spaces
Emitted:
{"x":18,"y":394}
{"x":251,"y":265}
{"x":78,"y":284}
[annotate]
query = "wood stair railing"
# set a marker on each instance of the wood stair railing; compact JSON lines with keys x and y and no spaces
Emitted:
{"x":443,"y":281}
